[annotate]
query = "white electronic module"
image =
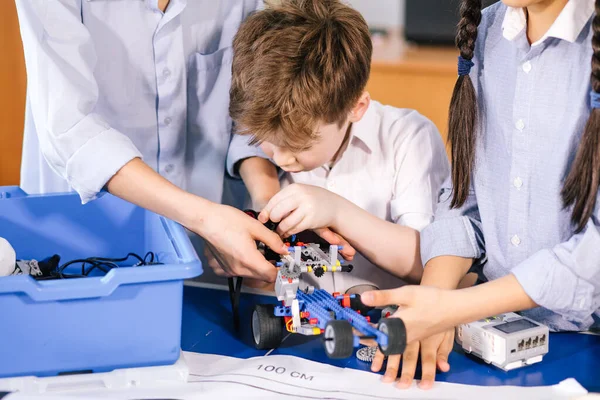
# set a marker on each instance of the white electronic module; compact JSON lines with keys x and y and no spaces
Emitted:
{"x":507,"y":341}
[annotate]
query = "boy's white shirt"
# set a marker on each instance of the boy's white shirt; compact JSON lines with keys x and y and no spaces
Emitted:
{"x":393,"y":167}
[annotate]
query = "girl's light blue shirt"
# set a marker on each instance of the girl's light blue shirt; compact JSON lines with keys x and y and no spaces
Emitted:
{"x":534,"y":102}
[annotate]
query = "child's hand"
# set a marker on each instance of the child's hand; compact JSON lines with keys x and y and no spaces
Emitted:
{"x":423,"y":310}
{"x":299,"y":208}
{"x":434,"y":355}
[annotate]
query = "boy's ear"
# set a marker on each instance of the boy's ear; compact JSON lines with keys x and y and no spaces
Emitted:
{"x":360,"y":108}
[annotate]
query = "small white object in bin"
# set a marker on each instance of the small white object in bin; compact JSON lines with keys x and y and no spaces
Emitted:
{"x":8,"y":258}
{"x":507,"y":341}
{"x":177,"y":373}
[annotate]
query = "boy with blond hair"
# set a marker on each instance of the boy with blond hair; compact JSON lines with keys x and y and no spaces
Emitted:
{"x":369,"y":172}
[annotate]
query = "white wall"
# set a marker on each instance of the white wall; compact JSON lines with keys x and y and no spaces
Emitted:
{"x":381,"y":13}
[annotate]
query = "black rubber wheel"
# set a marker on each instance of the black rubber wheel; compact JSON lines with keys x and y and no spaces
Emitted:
{"x":267,"y":329}
{"x":338,"y":339}
{"x":396,"y":332}
{"x":357,"y":305}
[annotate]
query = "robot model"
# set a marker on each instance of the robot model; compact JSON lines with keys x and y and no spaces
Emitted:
{"x":313,"y":312}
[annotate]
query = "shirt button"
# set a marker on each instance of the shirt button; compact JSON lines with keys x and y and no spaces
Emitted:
{"x":168,"y":121}
{"x":527,"y":67}
{"x":166,"y":72}
{"x":520,"y":125}
{"x":169,"y":168}
{"x":518,"y":182}
{"x":515,"y":240}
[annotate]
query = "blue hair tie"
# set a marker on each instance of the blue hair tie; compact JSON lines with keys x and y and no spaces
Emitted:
{"x":595,"y":99}
{"x":464,"y":66}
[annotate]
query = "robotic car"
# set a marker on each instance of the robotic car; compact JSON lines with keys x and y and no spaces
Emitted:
{"x":340,"y":319}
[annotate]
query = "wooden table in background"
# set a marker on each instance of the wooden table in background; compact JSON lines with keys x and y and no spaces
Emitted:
{"x":421,"y":78}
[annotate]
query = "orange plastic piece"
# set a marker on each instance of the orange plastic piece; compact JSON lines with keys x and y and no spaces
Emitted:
{"x":313,"y":321}
{"x":336,"y":294}
{"x":290,"y":280}
{"x":368,"y":318}
{"x":346,"y":301}
{"x":301,"y":244}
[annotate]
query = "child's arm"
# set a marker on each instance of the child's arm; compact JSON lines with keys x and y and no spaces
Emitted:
{"x":427,"y":310}
{"x":393,"y":247}
{"x":250,"y":163}
{"x":261,"y":180}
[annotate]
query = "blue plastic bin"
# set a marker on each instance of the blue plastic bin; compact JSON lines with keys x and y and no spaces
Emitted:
{"x":129,"y":318}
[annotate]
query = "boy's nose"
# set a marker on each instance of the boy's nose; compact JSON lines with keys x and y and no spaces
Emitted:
{"x":283,"y":158}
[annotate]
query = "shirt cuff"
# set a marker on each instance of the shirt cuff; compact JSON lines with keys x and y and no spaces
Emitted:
{"x":97,"y":161}
{"x":416,"y":221}
{"x":450,"y":237}
{"x":240,"y":149}
{"x":552,"y":285}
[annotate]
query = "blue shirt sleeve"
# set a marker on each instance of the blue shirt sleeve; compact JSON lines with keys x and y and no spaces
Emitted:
{"x":454,"y":232}
{"x":566,"y":278}
{"x":240,"y":149}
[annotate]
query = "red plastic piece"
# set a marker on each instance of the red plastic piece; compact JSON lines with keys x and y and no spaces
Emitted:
{"x":335,"y":294}
{"x":313,"y":321}
{"x":368,"y":318}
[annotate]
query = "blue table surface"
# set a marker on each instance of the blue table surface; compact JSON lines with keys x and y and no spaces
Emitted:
{"x":208,"y":328}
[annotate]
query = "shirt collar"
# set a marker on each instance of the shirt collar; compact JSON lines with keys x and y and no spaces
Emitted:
{"x":366,"y":129}
{"x":567,"y":26}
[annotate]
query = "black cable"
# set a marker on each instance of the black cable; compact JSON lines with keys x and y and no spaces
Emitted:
{"x":101,"y":263}
{"x":235,"y":292}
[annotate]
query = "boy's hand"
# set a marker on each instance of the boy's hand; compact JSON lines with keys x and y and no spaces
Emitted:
{"x":347,"y":251}
{"x":299,"y":208}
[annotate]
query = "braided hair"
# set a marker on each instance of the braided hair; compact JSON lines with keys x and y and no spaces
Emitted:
{"x":463,"y":106}
{"x":582,"y":183}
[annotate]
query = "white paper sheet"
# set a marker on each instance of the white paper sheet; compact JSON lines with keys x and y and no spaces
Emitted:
{"x":281,"y":377}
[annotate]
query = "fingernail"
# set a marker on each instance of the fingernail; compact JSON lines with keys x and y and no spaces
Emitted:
{"x":404,"y":384}
{"x":284,"y":249}
{"x":367,"y":296}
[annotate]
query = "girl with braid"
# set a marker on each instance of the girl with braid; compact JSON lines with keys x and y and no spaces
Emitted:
{"x":521,"y":206}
